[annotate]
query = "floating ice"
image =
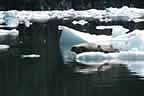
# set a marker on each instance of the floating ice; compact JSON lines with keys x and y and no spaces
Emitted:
{"x":80,"y":22}
{"x":119,"y":39}
{"x":138,"y":69}
{"x":31,"y":56}
{"x":13,"y":18}
{"x":116,"y":30}
{"x":4,"y":47}
{"x":124,"y":57}
{"x":12,"y":32}
{"x":70,"y":35}
{"x":90,"y":58}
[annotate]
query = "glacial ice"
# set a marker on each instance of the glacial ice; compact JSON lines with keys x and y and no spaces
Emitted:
{"x":30,"y":56}
{"x":131,"y":41}
{"x":119,"y":39}
{"x":12,"y":32}
{"x":70,"y":37}
{"x":80,"y":22}
{"x":4,"y":47}
{"x":116,"y":29}
{"x":13,"y":18}
{"x":123,"y":57}
{"x":138,"y":69}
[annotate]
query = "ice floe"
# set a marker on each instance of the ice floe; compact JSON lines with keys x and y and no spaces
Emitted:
{"x":119,"y":40}
{"x":80,"y":22}
{"x":124,"y":57}
{"x":12,"y":32}
{"x":130,"y":41}
{"x":13,"y":18}
{"x":4,"y":47}
{"x":116,"y":29}
{"x":31,"y":56}
{"x":70,"y":35}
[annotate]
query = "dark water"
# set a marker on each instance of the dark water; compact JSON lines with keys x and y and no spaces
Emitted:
{"x":48,"y":75}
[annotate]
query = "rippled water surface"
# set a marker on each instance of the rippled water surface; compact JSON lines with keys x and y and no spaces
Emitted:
{"x":38,"y":67}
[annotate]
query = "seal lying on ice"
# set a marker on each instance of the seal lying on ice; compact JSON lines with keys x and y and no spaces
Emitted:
{"x":90,"y":47}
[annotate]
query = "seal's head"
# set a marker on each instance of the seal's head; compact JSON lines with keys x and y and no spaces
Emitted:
{"x":79,"y":49}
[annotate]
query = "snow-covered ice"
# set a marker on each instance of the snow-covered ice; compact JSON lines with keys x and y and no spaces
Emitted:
{"x":119,"y":40}
{"x":13,"y":18}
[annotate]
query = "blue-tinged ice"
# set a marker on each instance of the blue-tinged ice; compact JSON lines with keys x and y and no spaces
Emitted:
{"x":130,"y":41}
{"x":10,"y":18}
{"x":119,"y":40}
{"x":123,"y":57}
{"x":13,"y":18}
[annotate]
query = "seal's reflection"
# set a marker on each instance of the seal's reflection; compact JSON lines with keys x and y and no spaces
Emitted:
{"x":103,"y":75}
{"x":94,"y":68}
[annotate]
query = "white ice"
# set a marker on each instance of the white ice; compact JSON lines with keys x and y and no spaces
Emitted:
{"x":30,"y":56}
{"x":70,"y":35}
{"x":119,"y":39}
{"x":130,"y":41}
{"x":12,"y":32}
{"x":133,"y":59}
{"x":124,"y":57}
{"x":4,"y":47}
{"x":80,"y":22}
{"x":13,"y":18}
{"x":116,"y":29}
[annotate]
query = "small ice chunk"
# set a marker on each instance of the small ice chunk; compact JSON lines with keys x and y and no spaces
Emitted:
{"x":90,"y":58}
{"x":116,"y":30}
{"x":80,"y":22}
{"x":138,"y":20}
{"x":12,"y":32}
{"x":3,"y":47}
{"x":31,"y":56}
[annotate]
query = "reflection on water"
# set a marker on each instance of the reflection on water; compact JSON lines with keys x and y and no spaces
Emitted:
{"x":48,"y":75}
{"x":132,"y":67}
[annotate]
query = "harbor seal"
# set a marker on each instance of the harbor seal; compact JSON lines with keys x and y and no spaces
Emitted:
{"x":90,"y":47}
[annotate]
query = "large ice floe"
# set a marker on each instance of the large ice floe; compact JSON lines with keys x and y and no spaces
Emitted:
{"x":119,"y":40}
{"x":129,"y":44}
{"x":13,"y":18}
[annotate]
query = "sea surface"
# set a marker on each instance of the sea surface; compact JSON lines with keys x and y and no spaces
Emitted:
{"x":48,"y":74}
{"x":35,"y":64}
